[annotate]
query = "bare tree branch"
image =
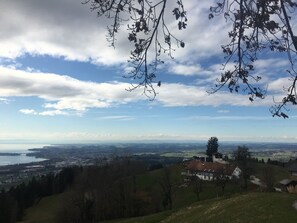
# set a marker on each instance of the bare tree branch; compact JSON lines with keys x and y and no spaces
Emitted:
{"x":258,"y":26}
{"x":148,"y":31}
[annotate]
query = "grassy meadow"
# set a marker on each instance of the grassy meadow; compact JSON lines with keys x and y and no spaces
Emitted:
{"x":237,"y":205}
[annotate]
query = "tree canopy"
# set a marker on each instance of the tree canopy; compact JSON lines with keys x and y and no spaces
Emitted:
{"x":212,"y":146}
{"x":260,"y":28}
{"x":241,"y":156}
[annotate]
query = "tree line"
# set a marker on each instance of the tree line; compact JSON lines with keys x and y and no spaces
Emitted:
{"x":14,"y":201}
{"x":94,"y":193}
{"x":118,"y":189}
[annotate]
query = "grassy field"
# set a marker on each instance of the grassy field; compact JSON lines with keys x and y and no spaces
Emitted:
{"x":246,"y":208}
{"x":46,"y":210}
{"x":233,"y":207}
{"x":280,"y":173}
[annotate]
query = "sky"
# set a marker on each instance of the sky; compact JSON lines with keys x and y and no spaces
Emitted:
{"x":61,"y":82}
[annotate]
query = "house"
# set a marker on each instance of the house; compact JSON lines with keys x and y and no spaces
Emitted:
{"x":202,"y":158}
{"x":210,"y":170}
{"x":218,"y":157}
{"x":287,"y":185}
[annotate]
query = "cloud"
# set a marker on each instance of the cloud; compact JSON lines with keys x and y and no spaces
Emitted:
{"x":279,"y":85}
{"x":223,"y":111}
{"x":228,"y":118}
{"x":271,"y":63}
{"x":117,"y":117}
{"x":69,"y":30}
{"x":28,"y":111}
{"x":201,"y":34}
{"x":4,"y":101}
{"x":63,"y":94}
{"x":186,"y":70}
{"x":66,"y":29}
{"x":173,"y":95}
{"x":52,"y":113}
{"x":44,"y":113}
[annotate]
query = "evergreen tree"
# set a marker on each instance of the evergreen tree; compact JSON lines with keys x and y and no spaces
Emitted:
{"x":212,"y":146}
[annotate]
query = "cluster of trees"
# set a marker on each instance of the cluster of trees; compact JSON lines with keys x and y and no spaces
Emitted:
{"x":243,"y":159}
{"x":221,"y":178}
{"x":246,"y":163}
{"x":94,"y":193}
{"x":14,"y":201}
{"x":113,"y":191}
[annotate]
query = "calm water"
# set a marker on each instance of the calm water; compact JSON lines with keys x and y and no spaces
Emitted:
{"x":18,"y":148}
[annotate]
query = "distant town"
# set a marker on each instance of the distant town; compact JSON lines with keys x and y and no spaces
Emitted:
{"x":153,"y":154}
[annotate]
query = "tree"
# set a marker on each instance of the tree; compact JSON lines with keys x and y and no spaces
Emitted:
{"x":268,"y":176}
{"x":147,"y":31}
{"x":241,"y":157}
{"x":212,"y":146}
{"x":197,"y":185}
{"x":221,"y":178}
{"x":8,"y":207}
{"x":261,"y":29}
{"x":167,"y":188}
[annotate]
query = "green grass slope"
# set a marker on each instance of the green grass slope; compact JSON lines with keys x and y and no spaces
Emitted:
{"x":279,"y":172}
{"x":251,"y":207}
{"x":247,"y":208}
{"x":45,"y":211}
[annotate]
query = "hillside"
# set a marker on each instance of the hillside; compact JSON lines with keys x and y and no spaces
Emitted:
{"x":46,"y":210}
{"x":233,"y":206}
{"x":249,"y":208}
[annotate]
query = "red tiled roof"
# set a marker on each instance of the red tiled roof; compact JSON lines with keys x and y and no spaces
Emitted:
{"x":197,"y":165}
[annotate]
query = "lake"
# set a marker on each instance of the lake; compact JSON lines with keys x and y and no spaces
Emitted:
{"x":18,"y":148}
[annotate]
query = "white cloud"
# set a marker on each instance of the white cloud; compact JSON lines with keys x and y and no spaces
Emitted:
{"x":44,"y":113}
{"x":28,"y":111}
{"x":79,"y":104}
{"x":57,"y":28}
{"x":63,"y":94}
{"x":223,"y":111}
{"x":188,"y":95}
{"x":271,"y":63}
{"x":4,"y":101}
{"x":117,"y":117}
{"x":279,"y":85}
{"x":186,"y":70}
{"x":52,"y":113}
{"x":228,"y":118}
{"x":203,"y":37}
{"x":68,"y":29}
